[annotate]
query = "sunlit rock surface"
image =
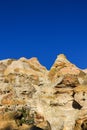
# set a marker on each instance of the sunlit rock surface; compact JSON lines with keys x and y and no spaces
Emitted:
{"x":33,"y":98}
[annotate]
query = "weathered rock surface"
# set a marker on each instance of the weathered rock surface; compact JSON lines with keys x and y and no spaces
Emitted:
{"x":33,"y":98}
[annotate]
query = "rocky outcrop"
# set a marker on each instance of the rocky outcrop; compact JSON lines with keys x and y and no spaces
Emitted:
{"x":33,"y":98}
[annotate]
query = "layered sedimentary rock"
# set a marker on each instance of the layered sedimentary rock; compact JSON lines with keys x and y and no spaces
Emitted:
{"x":33,"y":98}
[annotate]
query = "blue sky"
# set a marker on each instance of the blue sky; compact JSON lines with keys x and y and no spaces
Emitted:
{"x":44,"y":29}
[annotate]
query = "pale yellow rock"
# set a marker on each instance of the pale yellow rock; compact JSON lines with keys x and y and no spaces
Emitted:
{"x":31,"y":97}
{"x":62,"y":66}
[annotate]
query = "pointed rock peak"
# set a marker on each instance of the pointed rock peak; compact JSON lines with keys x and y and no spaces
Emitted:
{"x":33,"y":60}
{"x":33,"y":63}
{"x":25,"y":66}
{"x":61,"y":58}
{"x":61,"y":67}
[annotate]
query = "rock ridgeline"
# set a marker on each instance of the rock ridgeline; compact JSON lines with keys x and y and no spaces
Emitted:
{"x":33,"y":98}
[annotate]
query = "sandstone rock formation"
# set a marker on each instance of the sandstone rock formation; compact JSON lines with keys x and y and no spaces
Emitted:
{"x":33,"y":98}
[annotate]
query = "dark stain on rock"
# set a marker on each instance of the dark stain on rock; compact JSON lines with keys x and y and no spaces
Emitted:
{"x":35,"y":128}
{"x":76,"y":105}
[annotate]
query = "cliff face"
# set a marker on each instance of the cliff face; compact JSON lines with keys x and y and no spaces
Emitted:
{"x":33,"y":98}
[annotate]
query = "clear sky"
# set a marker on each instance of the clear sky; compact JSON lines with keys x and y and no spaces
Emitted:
{"x":44,"y":29}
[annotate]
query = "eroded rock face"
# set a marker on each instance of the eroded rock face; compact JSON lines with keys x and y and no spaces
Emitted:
{"x":33,"y":98}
